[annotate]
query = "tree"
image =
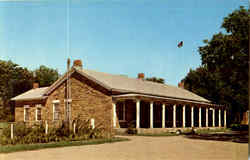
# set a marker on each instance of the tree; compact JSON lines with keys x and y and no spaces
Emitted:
{"x":14,"y":80}
{"x":46,"y":76}
{"x":155,"y":79}
{"x":224,"y":69}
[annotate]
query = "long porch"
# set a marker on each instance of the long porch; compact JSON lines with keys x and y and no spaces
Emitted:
{"x":147,"y":112}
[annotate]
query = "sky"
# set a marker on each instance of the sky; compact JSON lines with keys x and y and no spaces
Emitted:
{"x":113,"y":36}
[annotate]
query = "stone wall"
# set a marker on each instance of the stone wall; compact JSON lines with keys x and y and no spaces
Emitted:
{"x":19,"y":110}
{"x":89,"y":100}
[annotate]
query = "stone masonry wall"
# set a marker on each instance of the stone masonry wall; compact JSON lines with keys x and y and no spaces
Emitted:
{"x":19,"y":110}
{"x":88,"y":101}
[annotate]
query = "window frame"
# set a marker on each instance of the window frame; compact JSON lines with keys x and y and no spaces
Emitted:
{"x":56,"y":102}
{"x":25,"y":113}
{"x":38,"y":106}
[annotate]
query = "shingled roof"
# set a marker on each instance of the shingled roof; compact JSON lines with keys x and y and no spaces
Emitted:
{"x":32,"y":94}
{"x":122,"y":84}
{"x":125,"y":84}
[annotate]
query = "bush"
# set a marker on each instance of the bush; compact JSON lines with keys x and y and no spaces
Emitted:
{"x":131,"y":128}
{"x":239,"y":127}
{"x":24,"y":134}
{"x":85,"y":131}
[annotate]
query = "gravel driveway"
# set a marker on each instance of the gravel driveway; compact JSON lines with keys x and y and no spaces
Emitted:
{"x":141,"y":148}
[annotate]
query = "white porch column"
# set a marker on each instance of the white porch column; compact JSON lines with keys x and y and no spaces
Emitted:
{"x":200,"y":117}
{"x":163,"y":115}
{"x":137,"y":113}
{"x":151,"y":114}
{"x":225,"y":118}
{"x":114,"y":114}
{"x":174,"y":116}
{"x":219,"y":117}
{"x":192,"y":116}
{"x":206,"y":117}
{"x":213,"y":117}
{"x":183,"y":116}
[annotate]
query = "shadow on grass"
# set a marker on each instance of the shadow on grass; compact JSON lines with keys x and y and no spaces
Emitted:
{"x":26,"y":147}
{"x":232,"y":136}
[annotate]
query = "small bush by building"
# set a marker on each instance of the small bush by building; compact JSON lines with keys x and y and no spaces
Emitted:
{"x":36,"y":133}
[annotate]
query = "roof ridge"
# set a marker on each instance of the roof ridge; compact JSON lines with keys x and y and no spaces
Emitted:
{"x":133,"y":78}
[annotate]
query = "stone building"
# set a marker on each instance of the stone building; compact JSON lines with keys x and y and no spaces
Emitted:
{"x":117,"y":102}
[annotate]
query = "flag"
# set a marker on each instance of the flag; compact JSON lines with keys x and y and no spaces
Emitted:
{"x":180,"y":44}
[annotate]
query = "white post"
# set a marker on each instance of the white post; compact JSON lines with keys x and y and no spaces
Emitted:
{"x":114,"y":114}
{"x":46,"y":127}
{"x":219,"y":117}
{"x":206,"y":117}
{"x":163,"y":115}
{"x":192,"y":116}
{"x":213,"y":117}
{"x":151,"y":114}
{"x":225,"y":118}
{"x":92,"y":122}
{"x":184,"y":116}
{"x":174,"y":116}
{"x":74,"y":128}
{"x":11,"y":130}
{"x":200,"y":117}
{"x":137,"y":113}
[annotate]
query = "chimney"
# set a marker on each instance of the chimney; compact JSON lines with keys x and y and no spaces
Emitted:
{"x":140,"y":76}
{"x":35,"y":85}
{"x":181,"y":84}
{"x":77,"y":64}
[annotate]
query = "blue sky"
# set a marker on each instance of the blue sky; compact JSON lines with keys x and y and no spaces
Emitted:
{"x":113,"y":36}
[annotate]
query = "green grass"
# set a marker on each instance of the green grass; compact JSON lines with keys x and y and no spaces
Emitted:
{"x":157,"y":134}
{"x":206,"y":131}
{"x":3,"y":124}
{"x":26,"y":147}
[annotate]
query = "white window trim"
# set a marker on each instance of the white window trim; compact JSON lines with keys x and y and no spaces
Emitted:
{"x":24,"y":112}
{"x":38,"y":106}
{"x":69,"y":100}
{"x":55,"y":102}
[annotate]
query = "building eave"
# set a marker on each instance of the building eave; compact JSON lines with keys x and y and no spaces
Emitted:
{"x":135,"y":95}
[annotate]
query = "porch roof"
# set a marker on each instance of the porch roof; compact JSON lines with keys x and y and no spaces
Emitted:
{"x":159,"y":98}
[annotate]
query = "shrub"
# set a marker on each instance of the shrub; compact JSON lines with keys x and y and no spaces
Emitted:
{"x":131,"y":128}
{"x":24,"y":134}
{"x":239,"y":127}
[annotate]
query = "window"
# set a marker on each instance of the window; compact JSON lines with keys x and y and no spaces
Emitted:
{"x":67,"y":109}
{"x":26,"y":113}
{"x":38,"y":113}
{"x":121,"y":111}
{"x":56,"y":111}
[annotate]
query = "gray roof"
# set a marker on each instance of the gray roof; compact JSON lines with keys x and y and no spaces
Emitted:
{"x":125,"y":84}
{"x":120,"y":83}
{"x":31,"y":94}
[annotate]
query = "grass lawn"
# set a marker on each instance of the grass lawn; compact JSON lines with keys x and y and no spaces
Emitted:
{"x":206,"y":131}
{"x":198,"y":131}
{"x":25,"y":147}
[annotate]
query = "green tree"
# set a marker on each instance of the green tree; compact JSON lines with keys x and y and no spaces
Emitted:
{"x":14,"y":80}
{"x":155,"y":79}
{"x":224,"y":69}
{"x":46,"y":76}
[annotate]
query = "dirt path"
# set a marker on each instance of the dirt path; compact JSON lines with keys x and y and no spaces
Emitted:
{"x":142,"y":148}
